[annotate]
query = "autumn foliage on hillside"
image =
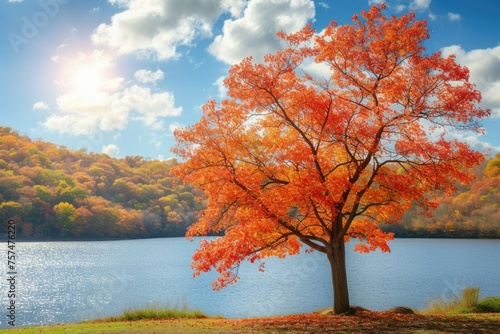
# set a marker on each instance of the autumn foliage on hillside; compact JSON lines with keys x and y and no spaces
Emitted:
{"x":53,"y":192}
{"x":473,"y":211}
{"x":57,"y":193}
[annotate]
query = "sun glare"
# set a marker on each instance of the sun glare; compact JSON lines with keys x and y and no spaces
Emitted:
{"x":87,"y":78}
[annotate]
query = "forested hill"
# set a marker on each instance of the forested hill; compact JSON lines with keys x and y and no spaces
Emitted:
{"x":472,"y":212}
{"x":55,"y":193}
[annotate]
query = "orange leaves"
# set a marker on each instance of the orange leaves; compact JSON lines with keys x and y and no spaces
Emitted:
{"x":370,"y":236}
{"x":365,"y":322}
{"x":372,"y":48}
{"x":292,"y":157}
{"x":226,"y":253}
{"x":299,"y":37}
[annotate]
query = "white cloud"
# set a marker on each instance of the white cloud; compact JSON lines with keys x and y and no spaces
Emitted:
{"x":40,"y":105}
{"x":174,"y":126}
{"x":84,"y":111}
{"x":235,"y":7}
{"x":147,"y":76}
{"x":151,"y":107}
{"x":222,"y":90}
{"x":400,"y":8}
{"x":484,"y":66}
{"x":474,"y":142}
{"x":112,"y":150}
{"x":70,"y":124}
{"x":93,"y":97}
{"x":108,"y":103}
{"x":319,"y":71}
{"x":157,"y":143}
{"x":324,"y":5}
{"x":254,"y":33}
{"x":454,"y":16}
{"x":156,"y":28}
{"x":472,"y":139}
{"x":14,"y":1}
{"x":420,"y":5}
{"x":113,"y":84}
{"x":57,"y":58}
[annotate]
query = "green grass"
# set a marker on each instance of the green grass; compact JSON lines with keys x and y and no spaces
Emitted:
{"x":470,"y":297}
{"x":188,"y":326}
{"x":152,"y":318}
{"x":467,"y":302}
{"x":158,"y":311}
{"x":489,"y":304}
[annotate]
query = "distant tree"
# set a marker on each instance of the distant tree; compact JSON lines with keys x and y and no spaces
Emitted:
{"x":493,"y":166}
{"x":65,"y":218}
{"x":85,"y":181}
{"x":69,"y":193}
{"x":131,"y":224}
{"x":292,"y":159}
{"x":10,"y":209}
{"x":105,"y":217}
{"x":152,"y":223}
{"x":83,"y":220}
{"x":9,"y":183}
{"x":43,"y":193}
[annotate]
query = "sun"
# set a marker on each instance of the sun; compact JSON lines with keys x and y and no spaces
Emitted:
{"x":85,"y":75}
{"x":87,"y":78}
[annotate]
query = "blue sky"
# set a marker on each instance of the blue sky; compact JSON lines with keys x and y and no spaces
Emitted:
{"x":118,"y":76}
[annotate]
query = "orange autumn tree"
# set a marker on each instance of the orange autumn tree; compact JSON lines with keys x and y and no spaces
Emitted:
{"x":292,"y":159}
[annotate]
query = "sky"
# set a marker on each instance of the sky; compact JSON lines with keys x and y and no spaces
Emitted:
{"x":119,"y":76}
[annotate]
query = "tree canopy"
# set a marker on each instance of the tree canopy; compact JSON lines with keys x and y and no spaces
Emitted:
{"x":294,"y":158}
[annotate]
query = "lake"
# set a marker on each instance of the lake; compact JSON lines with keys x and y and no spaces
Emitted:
{"x":61,"y":282}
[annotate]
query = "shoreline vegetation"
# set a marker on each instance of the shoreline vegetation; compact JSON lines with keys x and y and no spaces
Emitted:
{"x":360,"y":321}
{"x":365,"y":322}
{"x":54,"y":193}
{"x":463,"y":314}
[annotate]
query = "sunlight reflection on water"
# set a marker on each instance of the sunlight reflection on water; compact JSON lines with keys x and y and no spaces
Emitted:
{"x":74,"y":281}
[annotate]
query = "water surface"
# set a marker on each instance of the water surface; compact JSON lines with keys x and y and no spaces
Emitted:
{"x":61,"y":282}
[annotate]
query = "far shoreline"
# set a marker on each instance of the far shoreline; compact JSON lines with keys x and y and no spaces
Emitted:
{"x":65,"y":239}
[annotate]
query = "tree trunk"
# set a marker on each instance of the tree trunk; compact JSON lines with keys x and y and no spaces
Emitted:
{"x":339,"y":278}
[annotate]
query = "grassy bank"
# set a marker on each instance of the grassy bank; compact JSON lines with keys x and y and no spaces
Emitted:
{"x":372,"y":322}
{"x":467,"y":302}
{"x":158,"y":311}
